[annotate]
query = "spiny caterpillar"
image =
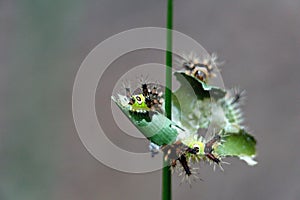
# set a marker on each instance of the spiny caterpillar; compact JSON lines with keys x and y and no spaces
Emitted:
{"x":201,"y":69}
{"x":230,"y":105}
{"x":192,"y":150}
{"x":145,"y":99}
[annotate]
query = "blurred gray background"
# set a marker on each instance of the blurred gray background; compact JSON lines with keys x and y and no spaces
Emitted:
{"x":42,"y":44}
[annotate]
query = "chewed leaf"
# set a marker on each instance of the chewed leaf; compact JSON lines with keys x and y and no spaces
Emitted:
{"x":153,"y":125}
{"x":240,"y":145}
{"x":201,"y":89}
{"x":192,"y":102}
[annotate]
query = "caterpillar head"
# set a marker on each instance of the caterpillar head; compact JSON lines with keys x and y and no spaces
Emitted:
{"x":138,"y":103}
{"x":198,"y":146}
{"x":201,"y":69}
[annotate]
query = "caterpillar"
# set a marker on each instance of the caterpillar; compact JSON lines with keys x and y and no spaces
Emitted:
{"x":192,"y":150}
{"x":230,"y":105}
{"x":201,"y":69}
{"x":145,"y":99}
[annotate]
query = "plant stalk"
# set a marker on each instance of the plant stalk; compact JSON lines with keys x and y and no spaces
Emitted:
{"x":166,"y":172}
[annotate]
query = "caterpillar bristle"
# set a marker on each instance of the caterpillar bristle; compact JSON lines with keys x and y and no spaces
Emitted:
{"x":237,"y":95}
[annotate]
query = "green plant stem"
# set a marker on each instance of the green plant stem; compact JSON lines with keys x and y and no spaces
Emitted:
{"x":166,"y":172}
{"x":166,"y":182}
{"x":168,"y":93}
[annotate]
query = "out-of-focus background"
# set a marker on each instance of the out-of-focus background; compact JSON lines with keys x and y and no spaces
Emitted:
{"x":42,"y":44}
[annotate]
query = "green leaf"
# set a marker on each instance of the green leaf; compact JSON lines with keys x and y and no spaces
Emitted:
{"x":153,"y":125}
{"x":192,"y":102}
{"x":239,"y":144}
{"x":200,"y":89}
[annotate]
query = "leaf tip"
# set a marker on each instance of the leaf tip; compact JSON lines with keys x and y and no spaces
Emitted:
{"x":249,"y":160}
